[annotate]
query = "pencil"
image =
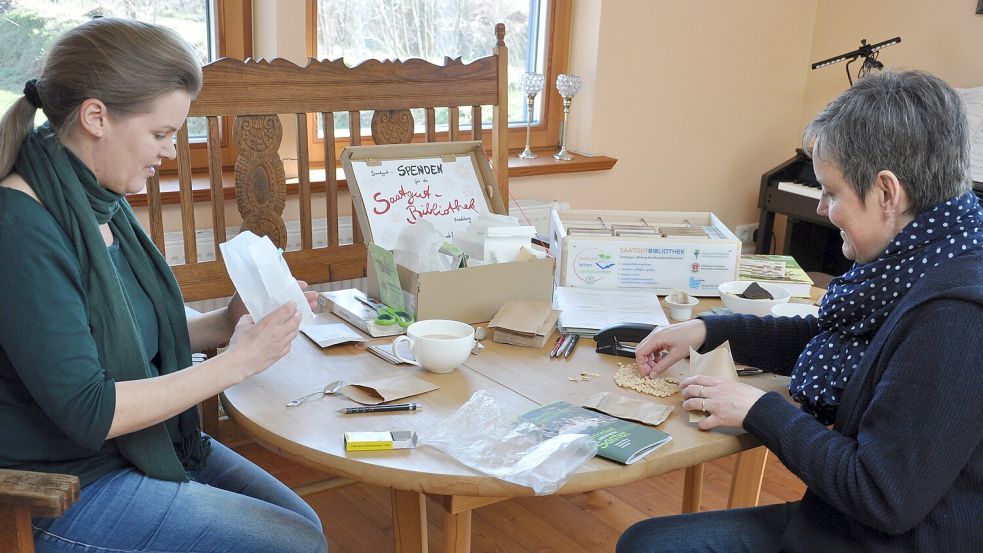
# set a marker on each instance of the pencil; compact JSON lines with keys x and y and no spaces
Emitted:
{"x":573,"y":344}
{"x":558,"y":345}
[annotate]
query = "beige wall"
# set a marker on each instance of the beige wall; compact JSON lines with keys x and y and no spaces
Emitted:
{"x":721,"y":90}
{"x":695,"y":99}
{"x":944,"y":37}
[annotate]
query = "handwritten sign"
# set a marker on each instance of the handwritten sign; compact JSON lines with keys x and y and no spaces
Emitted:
{"x":399,"y":193}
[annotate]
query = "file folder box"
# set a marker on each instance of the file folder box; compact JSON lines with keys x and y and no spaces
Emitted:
{"x":470,"y":294}
{"x":661,"y":250}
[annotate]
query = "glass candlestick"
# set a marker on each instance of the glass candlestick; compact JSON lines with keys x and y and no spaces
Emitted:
{"x":567,"y":86}
{"x":532,"y":84}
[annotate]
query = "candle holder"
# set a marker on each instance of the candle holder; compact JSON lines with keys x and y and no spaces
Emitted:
{"x":567,"y":86}
{"x":532,"y":84}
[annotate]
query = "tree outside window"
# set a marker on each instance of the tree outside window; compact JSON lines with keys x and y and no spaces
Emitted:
{"x":359,"y":30}
{"x":28,"y":28}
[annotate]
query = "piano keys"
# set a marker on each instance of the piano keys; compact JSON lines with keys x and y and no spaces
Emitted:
{"x":791,"y":189}
{"x":809,"y":190}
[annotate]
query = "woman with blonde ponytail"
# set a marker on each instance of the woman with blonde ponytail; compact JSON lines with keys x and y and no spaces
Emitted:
{"x":96,"y":377}
{"x":16,"y":123}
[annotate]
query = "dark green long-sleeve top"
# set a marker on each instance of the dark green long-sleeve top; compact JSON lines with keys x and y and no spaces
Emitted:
{"x":56,"y":401}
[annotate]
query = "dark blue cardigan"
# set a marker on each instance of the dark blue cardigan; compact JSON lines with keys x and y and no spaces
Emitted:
{"x":902,"y":468}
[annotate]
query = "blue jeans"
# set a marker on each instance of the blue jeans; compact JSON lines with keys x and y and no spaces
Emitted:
{"x":231,"y":505}
{"x":755,"y":529}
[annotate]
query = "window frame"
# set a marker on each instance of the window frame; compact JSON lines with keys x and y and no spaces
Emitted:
{"x":544,"y":134}
{"x":234,"y":39}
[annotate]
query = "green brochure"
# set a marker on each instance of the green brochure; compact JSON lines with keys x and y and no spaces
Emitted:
{"x":390,"y":291}
{"x":619,"y":440}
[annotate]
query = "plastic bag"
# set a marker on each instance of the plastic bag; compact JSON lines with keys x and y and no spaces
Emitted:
{"x":481,"y":436}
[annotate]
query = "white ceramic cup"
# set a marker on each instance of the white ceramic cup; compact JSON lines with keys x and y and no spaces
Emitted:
{"x":438,"y":345}
{"x":681,"y":311}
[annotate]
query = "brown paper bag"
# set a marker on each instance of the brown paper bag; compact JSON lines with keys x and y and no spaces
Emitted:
{"x":718,"y":363}
{"x":645,"y":412}
{"x":524,"y":317}
{"x":524,"y":323}
{"x":386,"y":389}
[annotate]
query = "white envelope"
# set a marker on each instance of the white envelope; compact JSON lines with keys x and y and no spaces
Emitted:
{"x":262,"y":277}
{"x":326,"y":333}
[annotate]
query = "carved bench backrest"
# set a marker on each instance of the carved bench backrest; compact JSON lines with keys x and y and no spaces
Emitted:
{"x":254,"y":94}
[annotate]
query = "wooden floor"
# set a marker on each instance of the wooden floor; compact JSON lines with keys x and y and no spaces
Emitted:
{"x":358,"y":518}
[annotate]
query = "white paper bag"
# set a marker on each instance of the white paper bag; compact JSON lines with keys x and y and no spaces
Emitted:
{"x":262,"y":277}
{"x":418,"y":248}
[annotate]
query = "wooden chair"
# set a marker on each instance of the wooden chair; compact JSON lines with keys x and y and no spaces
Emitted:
{"x":253,"y":95}
{"x":24,"y":495}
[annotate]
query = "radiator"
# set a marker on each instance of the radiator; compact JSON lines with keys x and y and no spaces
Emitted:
{"x":529,"y":212}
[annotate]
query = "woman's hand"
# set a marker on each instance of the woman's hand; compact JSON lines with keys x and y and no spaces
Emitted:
{"x":309,"y":295}
{"x":237,"y":309}
{"x":253,"y":348}
{"x":674,"y":340}
{"x":259,"y":345}
{"x":726,"y":402}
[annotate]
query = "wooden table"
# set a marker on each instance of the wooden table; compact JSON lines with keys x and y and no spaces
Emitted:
{"x":518,"y":378}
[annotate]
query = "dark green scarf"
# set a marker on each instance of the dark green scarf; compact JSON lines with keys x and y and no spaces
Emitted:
{"x":68,"y":189}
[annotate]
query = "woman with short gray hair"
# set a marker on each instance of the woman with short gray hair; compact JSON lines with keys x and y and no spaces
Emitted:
{"x":892,"y":362}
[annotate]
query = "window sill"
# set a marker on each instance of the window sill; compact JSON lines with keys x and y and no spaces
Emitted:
{"x":546,"y":165}
{"x":518,"y":168}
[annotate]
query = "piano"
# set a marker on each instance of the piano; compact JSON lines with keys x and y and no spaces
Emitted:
{"x":791,"y":189}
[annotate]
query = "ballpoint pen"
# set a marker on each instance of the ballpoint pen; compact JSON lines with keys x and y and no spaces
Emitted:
{"x":381,"y":408}
{"x":573,"y":344}
{"x":749,"y":371}
{"x":557,"y":345}
{"x":369,"y":302}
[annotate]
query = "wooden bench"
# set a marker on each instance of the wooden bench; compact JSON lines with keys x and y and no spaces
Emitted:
{"x":24,"y":495}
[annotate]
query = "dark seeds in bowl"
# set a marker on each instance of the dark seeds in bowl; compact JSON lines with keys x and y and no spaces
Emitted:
{"x":756,"y":292}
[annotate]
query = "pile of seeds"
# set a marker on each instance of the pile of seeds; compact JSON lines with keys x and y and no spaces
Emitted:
{"x":627,"y":377}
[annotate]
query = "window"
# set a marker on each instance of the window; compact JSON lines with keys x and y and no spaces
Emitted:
{"x":536,"y":35}
{"x":27,"y":27}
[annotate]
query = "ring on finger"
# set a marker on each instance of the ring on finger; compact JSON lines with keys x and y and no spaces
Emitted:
{"x":704,"y":406}
{"x":700,"y":392}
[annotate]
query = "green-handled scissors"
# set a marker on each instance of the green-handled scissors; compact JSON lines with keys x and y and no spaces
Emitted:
{"x":385,"y":315}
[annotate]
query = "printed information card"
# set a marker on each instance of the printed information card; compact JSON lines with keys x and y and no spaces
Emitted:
{"x":606,"y":264}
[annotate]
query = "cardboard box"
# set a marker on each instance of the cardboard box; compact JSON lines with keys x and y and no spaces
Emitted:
{"x":473,"y":294}
{"x":383,"y":205}
{"x":662,"y":250}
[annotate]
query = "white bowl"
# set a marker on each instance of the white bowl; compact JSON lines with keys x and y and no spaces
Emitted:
{"x":795,"y":310}
{"x":730,"y":290}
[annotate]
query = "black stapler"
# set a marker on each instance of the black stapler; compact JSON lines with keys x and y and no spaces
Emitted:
{"x":621,"y":339}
